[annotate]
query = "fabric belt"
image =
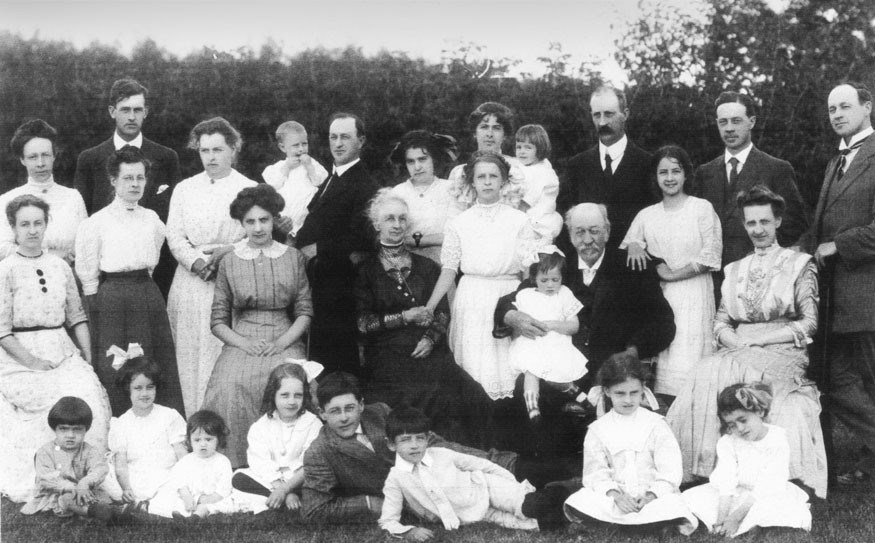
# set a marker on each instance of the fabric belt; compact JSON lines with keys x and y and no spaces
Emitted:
{"x":34,"y":328}
{"x":135,"y":274}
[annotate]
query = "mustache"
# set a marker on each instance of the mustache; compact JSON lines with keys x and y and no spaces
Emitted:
{"x":605,"y":130}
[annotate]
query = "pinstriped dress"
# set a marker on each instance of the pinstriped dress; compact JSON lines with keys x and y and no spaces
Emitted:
{"x":258,"y":294}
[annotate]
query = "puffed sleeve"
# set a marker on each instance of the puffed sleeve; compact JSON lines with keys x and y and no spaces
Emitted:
{"x":807,"y":299}
{"x":666,"y":459}
{"x":176,"y":430}
{"x":725,"y":474}
{"x":636,"y":233}
{"x":74,"y":311}
{"x":223,"y":297}
{"x":451,"y":251}
{"x":597,"y":469}
{"x":177,"y":239}
{"x":304,"y":298}
{"x":712,"y":237}
{"x":88,"y":255}
{"x":320,"y":171}
{"x":273,"y":175}
{"x":571,"y":306}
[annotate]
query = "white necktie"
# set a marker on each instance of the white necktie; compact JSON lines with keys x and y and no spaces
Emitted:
{"x":588,"y":276}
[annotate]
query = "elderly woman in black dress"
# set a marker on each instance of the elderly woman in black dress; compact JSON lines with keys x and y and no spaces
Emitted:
{"x":406,"y":353}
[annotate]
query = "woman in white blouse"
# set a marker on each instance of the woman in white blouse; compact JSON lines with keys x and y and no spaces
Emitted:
{"x":34,"y":145}
{"x":118,"y":248}
{"x":427,"y":195}
{"x":200,"y":231}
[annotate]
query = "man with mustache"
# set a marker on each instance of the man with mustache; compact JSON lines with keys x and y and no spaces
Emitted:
{"x":616,"y":172}
{"x":624,"y":314}
{"x":337,"y":233}
{"x":739,"y":168}
{"x":842,"y":240}
{"x":127,"y":107}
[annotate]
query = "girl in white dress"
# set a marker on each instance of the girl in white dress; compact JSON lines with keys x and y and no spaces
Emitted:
{"x":631,"y":460}
{"x":683,"y":232}
{"x":200,"y":483}
{"x":749,"y":486}
{"x":279,"y":439}
{"x":542,"y":183}
{"x":200,"y":232}
{"x":551,"y":357}
{"x":147,"y":440}
{"x":487,"y":243}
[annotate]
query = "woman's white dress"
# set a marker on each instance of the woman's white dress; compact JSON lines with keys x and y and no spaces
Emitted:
{"x":753,"y":469}
{"x":66,"y":211}
{"x":551,"y":357}
{"x":430,"y":209}
{"x":40,"y":293}
{"x":487,"y":243}
{"x":690,"y":234}
{"x":199,"y":220}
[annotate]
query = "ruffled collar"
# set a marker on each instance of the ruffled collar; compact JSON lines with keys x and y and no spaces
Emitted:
{"x":767,"y":250}
{"x":244,"y":251}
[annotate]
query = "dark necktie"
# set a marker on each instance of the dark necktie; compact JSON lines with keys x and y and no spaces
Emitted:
{"x":327,"y":182}
{"x":733,"y":174}
{"x":609,"y":173}
{"x":843,"y":161}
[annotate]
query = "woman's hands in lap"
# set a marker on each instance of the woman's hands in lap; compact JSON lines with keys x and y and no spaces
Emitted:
{"x":423,"y":348}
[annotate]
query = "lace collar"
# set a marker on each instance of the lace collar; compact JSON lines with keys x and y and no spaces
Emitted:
{"x":767,"y":250}
{"x":123,"y":205}
{"x":41,"y":185}
{"x":244,"y":251}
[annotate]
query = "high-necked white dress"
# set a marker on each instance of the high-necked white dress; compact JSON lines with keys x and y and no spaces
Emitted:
{"x":199,"y":220}
{"x":66,"y":211}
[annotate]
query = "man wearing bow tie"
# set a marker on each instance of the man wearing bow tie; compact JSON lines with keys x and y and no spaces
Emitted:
{"x":842,"y":240}
{"x":615,"y":173}
{"x":127,"y":107}
{"x":624,"y":311}
{"x":739,"y":168}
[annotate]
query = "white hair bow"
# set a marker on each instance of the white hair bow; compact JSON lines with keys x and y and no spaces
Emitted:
{"x":120,"y":356}
{"x":597,"y":397}
{"x":312,"y":369}
{"x":534,"y":257}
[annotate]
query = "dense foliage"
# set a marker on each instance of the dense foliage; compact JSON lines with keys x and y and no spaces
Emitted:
{"x":676,"y":66}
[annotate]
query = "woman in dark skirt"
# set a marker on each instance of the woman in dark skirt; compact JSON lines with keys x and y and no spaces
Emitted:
{"x":406,"y":354}
{"x":117,"y":249}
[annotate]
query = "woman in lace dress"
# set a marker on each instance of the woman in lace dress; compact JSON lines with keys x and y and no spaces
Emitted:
{"x":262,"y":283}
{"x":486,"y":243}
{"x":39,"y":363}
{"x":199,"y":233}
{"x":767,"y":316}
{"x":683,"y":232}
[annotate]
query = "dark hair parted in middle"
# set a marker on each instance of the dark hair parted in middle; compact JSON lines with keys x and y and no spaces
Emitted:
{"x":761,"y":195}
{"x":275,"y":382}
{"x":134,"y":367}
{"x":336,"y":384}
{"x":36,"y":128}
{"x":406,"y":420}
{"x":126,"y":155}
{"x":619,"y":368}
{"x":22,"y":201}
{"x":71,"y":411}
{"x":503,"y":115}
{"x":262,"y":195}
{"x":677,"y":153}
{"x":211,"y":423}
{"x":440,"y":148}
{"x":216,"y":125}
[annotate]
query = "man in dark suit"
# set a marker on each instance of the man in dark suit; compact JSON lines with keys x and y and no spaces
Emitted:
{"x":739,"y":168}
{"x":337,"y":233}
{"x":616,"y":172}
{"x":842,"y":240}
{"x":347,"y":464}
{"x":127,"y":107}
{"x":624,"y":313}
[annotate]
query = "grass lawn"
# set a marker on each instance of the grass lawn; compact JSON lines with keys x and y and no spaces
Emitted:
{"x":848,"y":516}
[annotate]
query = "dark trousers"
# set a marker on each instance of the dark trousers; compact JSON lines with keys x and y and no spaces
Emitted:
{"x":852,"y":389}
